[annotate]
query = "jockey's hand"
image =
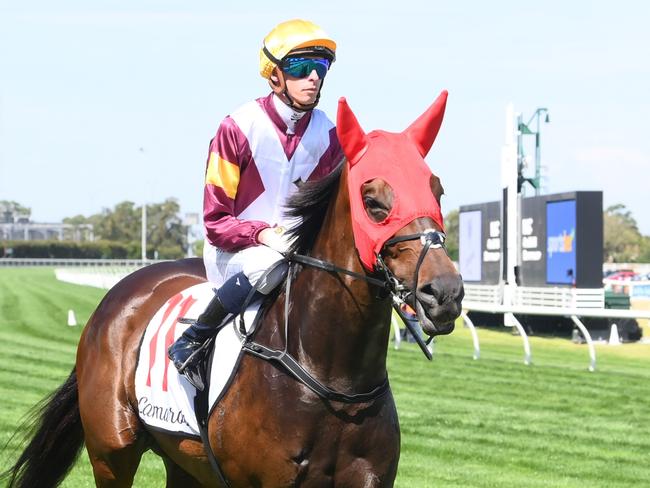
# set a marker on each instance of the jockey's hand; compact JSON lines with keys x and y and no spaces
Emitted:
{"x":275,"y":238}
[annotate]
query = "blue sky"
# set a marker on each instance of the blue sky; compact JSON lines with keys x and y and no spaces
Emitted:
{"x":118,"y":100}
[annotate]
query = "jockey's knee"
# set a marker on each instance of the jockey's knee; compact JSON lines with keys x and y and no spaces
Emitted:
{"x":267,"y":282}
{"x":265,"y":269}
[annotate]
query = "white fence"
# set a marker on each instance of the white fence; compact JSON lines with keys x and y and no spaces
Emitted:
{"x":568,"y":302}
{"x":105,"y":277}
{"x":99,"y":273}
{"x":90,"y":263}
{"x":528,"y":296}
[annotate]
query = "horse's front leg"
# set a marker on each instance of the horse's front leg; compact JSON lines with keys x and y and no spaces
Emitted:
{"x":362,"y":473}
{"x":369,"y":451}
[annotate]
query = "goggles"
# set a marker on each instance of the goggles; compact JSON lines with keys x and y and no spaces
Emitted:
{"x":302,"y":67}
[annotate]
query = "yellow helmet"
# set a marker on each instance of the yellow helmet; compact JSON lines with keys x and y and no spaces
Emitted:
{"x":289,"y":36}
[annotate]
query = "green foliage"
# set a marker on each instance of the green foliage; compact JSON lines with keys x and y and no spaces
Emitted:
{"x":644,"y":250}
{"x":451,"y":229}
{"x":64,"y":250}
{"x":166,"y":233}
{"x":623,"y":241}
{"x":76,"y":220}
{"x":490,"y":423}
{"x":197,"y":247}
{"x":14,"y":208}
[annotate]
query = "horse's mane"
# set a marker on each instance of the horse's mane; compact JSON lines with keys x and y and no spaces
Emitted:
{"x":309,"y":205}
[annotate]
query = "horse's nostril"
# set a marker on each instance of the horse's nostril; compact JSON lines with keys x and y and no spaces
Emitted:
{"x":442,"y":290}
{"x":430,"y":290}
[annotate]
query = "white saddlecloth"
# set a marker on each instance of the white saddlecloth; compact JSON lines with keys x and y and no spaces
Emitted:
{"x":165,"y":398}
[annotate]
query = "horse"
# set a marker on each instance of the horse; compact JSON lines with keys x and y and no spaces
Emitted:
{"x":269,"y":429}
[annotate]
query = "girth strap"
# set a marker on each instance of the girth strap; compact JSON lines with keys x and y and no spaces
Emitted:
{"x":202,"y":411}
{"x":298,"y":372}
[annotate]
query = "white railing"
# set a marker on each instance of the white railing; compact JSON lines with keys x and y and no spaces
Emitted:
{"x":74,"y":262}
{"x":571,"y":302}
{"x":528,"y":296}
{"x":99,"y":277}
{"x":483,"y":293}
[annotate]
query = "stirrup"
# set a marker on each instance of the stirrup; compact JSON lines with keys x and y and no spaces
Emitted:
{"x":193,"y":358}
{"x":193,"y":369}
{"x":193,"y":373}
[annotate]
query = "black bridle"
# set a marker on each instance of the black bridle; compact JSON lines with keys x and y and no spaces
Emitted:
{"x":431,"y":239}
{"x":388,"y":284}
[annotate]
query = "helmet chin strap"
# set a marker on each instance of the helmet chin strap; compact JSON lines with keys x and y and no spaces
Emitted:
{"x":280,"y":89}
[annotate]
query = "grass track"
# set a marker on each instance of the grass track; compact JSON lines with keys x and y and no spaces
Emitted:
{"x":487,"y":423}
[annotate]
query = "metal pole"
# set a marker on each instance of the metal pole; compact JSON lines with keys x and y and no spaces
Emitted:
{"x":509,"y":176}
{"x":472,"y":329}
{"x":144,"y":232}
{"x":590,"y":343}
{"x":537,"y":156}
{"x":509,"y":317}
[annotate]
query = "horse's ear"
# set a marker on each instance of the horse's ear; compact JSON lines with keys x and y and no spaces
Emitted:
{"x":351,"y":136}
{"x":424,"y":130}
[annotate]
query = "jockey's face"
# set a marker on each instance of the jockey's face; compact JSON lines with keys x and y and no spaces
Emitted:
{"x":303,"y":90}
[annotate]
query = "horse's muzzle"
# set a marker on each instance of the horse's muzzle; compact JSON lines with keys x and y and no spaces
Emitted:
{"x":438,"y":304}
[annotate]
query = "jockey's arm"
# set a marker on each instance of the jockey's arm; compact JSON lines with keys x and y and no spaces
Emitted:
{"x":228,"y":155}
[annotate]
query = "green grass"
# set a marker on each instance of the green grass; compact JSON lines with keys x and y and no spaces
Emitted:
{"x":488,"y":423}
{"x":37,"y":353}
{"x":497,"y":423}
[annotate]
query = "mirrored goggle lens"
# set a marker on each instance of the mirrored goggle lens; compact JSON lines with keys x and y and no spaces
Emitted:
{"x":302,"y":67}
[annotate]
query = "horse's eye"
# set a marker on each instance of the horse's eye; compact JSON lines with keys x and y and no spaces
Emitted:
{"x":376,"y":210}
{"x":372,"y":204}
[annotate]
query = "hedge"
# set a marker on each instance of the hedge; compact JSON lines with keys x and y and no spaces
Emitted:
{"x":64,"y":249}
{"x":85,"y":250}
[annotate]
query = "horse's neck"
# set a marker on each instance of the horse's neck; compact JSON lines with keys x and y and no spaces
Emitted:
{"x":342,"y":331}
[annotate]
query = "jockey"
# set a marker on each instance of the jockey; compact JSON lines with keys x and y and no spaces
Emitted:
{"x":259,"y":156}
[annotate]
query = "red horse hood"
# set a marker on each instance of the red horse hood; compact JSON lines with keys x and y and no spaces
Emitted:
{"x":398,"y":159}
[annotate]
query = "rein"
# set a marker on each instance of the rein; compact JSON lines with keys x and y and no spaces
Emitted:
{"x":431,"y":239}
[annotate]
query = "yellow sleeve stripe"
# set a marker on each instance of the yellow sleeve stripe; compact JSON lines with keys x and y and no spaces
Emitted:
{"x":223,"y":174}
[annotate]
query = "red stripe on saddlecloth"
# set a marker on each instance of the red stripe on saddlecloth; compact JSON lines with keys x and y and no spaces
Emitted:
{"x":171,"y":303}
{"x":171,"y":332}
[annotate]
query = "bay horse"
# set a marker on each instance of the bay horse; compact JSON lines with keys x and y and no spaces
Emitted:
{"x":269,"y":429}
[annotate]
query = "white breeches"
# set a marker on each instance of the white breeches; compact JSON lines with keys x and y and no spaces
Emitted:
{"x":252,"y":261}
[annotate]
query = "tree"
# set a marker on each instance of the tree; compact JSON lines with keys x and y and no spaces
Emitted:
{"x":451,"y":228}
{"x":166,"y":234}
{"x":165,"y":230}
{"x":10,"y":209}
{"x":623,"y":241}
{"x":80,"y":228}
{"x":121,"y":224}
{"x":644,"y":253}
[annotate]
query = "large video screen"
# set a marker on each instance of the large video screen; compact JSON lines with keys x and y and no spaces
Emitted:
{"x":561,"y":242}
{"x":469,"y":237}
